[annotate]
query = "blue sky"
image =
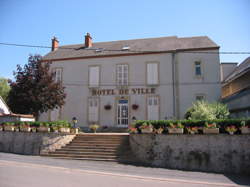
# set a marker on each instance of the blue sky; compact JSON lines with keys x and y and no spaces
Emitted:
{"x":34,"y":22}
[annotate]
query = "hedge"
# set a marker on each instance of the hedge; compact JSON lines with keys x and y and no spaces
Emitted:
{"x":221,"y":123}
{"x":51,"y":124}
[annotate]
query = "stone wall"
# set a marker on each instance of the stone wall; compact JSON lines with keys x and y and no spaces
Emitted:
{"x":32,"y":143}
{"x":220,"y":153}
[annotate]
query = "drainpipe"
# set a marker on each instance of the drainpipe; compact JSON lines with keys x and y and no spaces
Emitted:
{"x":173,"y":82}
{"x":175,"y":85}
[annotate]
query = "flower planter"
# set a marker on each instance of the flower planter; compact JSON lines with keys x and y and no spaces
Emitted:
{"x":64,"y":130}
{"x":159,"y":131}
{"x":211,"y":131}
{"x":147,"y":130}
{"x":245,"y":130}
{"x":25,"y":129}
{"x":33,"y":129}
{"x":231,"y":132}
{"x":9,"y":128}
{"x":1,"y":128}
{"x":17,"y":129}
{"x":175,"y":131}
{"x":74,"y":130}
{"x":43,"y":129}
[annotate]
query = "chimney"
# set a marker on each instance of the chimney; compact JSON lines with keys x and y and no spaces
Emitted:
{"x":55,"y":44}
{"x":88,"y":40}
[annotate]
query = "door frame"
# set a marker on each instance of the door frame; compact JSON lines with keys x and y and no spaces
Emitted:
{"x":116,"y":110}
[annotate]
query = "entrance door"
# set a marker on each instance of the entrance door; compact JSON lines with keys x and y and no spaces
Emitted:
{"x":122,"y":112}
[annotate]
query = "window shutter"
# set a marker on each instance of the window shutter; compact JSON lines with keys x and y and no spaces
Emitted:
{"x":153,"y":108}
{"x":93,"y":109}
{"x":152,"y":73}
{"x":94,"y":73}
{"x":122,"y":74}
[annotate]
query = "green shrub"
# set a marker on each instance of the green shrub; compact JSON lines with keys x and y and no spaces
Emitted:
{"x":208,"y":111}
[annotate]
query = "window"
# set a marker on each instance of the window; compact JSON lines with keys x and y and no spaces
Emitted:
{"x":58,"y":75}
{"x":152,"y":74}
{"x":94,"y":76}
{"x":153,"y":107}
{"x":197,"y":68}
{"x":93,"y":109}
{"x":200,"y":97}
{"x":122,"y":74}
{"x":55,"y":114}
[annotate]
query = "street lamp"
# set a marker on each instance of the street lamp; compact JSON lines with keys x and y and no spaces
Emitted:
{"x":74,"y":120}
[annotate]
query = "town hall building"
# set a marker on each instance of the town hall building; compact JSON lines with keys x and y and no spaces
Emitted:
{"x":114,"y":83}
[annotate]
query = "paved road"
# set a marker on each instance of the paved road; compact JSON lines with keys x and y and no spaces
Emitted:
{"x":29,"y":171}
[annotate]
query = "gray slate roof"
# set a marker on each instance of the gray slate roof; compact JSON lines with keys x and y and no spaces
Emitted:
{"x":136,"y":46}
{"x":239,"y":70}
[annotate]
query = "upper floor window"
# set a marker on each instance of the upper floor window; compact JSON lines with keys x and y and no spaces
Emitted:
{"x":197,"y":68}
{"x":152,"y":73}
{"x":58,"y":75}
{"x":122,"y":74}
{"x":94,"y":76}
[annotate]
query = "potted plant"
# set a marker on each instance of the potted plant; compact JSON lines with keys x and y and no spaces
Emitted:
{"x":192,"y":130}
{"x":175,"y":128}
{"x":107,"y":107}
{"x":132,"y":129}
{"x":43,"y":127}
{"x":64,"y":126}
{"x":159,"y":130}
{"x":135,"y":106}
{"x":8,"y":126}
{"x":55,"y":128}
{"x":244,"y":128}
{"x":74,"y":130}
{"x":94,"y":127}
{"x":231,"y":129}
{"x":25,"y":127}
{"x":146,"y":128}
{"x":1,"y":127}
{"x":210,"y":128}
{"x":33,"y":129}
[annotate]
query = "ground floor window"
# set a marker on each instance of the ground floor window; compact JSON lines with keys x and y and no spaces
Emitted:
{"x":93,"y":110}
{"x":55,"y":114}
{"x":153,"y":107}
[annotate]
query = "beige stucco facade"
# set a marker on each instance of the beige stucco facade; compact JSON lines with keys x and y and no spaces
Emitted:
{"x":174,"y":69}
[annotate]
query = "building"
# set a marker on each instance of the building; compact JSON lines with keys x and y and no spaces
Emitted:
{"x":114,"y":83}
{"x":236,"y":90}
{"x":6,"y":115}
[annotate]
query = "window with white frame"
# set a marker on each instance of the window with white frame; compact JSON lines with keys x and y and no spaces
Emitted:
{"x":55,"y":114}
{"x":198,"y":71}
{"x":152,"y":73}
{"x":93,"y":109}
{"x":94,"y":76}
{"x":122,"y":74}
{"x":58,"y":75}
{"x":153,"y":107}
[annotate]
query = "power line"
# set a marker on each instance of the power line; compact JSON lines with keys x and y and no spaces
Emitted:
{"x":120,"y":50}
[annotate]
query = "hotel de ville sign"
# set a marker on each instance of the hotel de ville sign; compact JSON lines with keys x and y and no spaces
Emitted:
{"x":131,"y":91}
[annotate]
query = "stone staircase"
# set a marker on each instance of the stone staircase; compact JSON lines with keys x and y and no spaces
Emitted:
{"x":99,"y":146}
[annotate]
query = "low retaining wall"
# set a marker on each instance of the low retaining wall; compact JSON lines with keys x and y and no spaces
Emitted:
{"x":32,"y":143}
{"x":220,"y":153}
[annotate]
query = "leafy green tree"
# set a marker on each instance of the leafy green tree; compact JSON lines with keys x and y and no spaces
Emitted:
{"x":202,"y":110}
{"x":4,"y":88}
{"x":34,"y":91}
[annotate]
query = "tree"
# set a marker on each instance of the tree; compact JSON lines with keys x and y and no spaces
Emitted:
{"x":4,"y":88}
{"x":34,"y":90}
{"x":202,"y":110}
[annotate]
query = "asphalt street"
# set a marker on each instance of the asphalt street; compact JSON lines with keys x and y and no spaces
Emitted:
{"x":29,"y":171}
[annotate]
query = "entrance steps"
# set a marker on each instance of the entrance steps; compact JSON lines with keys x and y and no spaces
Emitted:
{"x":99,"y":147}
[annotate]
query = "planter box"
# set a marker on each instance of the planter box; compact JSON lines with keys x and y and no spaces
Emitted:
{"x":211,"y":131}
{"x":74,"y":130}
{"x":1,"y":128}
{"x":147,"y":131}
{"x":245,"y":130}
{"x":25,"y":129}
{"x":175,"y":131}
{"x":33,"y":129}
{"x":64,"y":130}
{"x":9,"y":128}
{"x":43,"y":129}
